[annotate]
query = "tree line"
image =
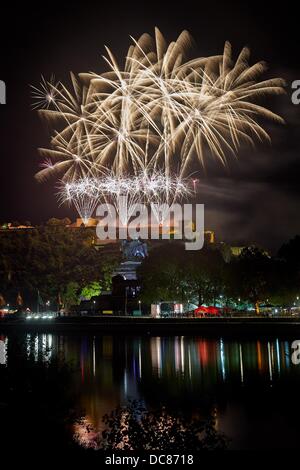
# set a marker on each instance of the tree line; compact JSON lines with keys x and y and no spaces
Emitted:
{"x":202,"y":277}
{"x":64,"y":266}
{"x":59,"y":263}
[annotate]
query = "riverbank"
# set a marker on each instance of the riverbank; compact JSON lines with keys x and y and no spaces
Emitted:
{"x":158,"y":326}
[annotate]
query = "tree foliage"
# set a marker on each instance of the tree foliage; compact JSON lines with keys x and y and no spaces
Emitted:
{"x":133,"y":427}
{"x":90,"y":290}
{"x":52,"y":259}
{"x":172,"y":273}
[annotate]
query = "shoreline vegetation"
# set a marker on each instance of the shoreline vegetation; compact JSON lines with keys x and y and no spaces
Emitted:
{"x":60,"y":268}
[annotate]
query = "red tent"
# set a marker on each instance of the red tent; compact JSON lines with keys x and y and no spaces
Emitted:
{"x":204,"y":310}
{"x":214,"y":310}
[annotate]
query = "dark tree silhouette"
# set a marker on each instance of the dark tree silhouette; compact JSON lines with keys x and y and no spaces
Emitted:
{"x":135,"y":428}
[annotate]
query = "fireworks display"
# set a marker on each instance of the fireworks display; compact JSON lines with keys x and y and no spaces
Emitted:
{"x":138,"y":129}
{"x":152,"y":189}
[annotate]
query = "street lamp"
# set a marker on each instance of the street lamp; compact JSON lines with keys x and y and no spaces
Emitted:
{"x":140,"y":308}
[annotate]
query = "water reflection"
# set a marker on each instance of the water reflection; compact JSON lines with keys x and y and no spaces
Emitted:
{"x":125,"y":360}
{"x":191,"y":372}
{"x":40,"y":347}
{"x":3,"y":350}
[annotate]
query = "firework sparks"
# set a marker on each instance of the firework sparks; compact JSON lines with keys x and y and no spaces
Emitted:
{"x":145,"y":123}
{"x":84,"y":194}
{"x":123,"y":192}
{"x":46,"y":94}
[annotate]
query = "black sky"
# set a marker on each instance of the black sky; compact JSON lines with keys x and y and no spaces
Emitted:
{"x":256,"y":199}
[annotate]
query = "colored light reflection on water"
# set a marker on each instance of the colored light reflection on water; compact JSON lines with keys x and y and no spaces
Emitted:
{"x":251,"y":386}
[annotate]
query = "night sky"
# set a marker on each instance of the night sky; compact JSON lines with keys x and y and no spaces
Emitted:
{"x":256,"y":199}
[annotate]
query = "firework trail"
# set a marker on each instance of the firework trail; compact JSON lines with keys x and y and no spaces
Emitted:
{"x":147,"y":121}
{"x":122,"y":192}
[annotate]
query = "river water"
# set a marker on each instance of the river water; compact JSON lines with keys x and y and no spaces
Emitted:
{"x":250,"y":386}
